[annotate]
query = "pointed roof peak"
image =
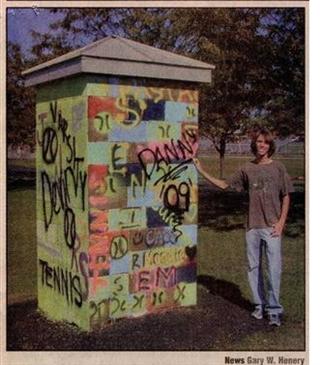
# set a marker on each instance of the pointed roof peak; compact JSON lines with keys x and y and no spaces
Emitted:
{"x":115,"y":48}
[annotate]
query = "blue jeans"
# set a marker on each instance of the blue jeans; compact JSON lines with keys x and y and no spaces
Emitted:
{"x":259,"y":242}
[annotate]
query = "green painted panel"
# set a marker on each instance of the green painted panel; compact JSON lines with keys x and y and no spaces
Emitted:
{"x":61,"y":89}
{"x":62,"y":217}
{"x":186,"y":294}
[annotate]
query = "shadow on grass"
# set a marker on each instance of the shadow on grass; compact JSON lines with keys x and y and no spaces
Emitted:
{"x":225,"y":290}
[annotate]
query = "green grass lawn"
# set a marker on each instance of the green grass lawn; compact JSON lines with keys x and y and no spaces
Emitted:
{"x":22,"y":163}
{"x":294,"y":165}
{"x":221,"y":256}
{"x":21,"y":244}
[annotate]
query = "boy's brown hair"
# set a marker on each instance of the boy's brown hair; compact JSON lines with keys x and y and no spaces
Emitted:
{"x":268,"y":138}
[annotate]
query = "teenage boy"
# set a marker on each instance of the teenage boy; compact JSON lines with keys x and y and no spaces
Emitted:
{"x":268,"y":185}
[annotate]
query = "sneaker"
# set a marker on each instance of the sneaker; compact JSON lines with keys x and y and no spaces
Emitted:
{"x":257,"y":313}
{"x":274,"y":320}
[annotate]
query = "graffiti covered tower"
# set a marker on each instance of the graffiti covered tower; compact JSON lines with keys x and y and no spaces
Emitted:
{"x":116,"y":129}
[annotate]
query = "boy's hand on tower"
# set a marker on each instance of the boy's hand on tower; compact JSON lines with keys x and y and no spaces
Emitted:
{"x":197,"y":163}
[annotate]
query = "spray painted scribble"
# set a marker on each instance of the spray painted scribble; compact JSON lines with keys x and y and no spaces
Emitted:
{"x":117,"y":202}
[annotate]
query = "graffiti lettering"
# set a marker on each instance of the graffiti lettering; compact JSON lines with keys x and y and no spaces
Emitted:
{"x":69,"y":228}
{"x":133,"y":107}
{"x":134,"y":183}
{"x":120,"y":305}
{"x":175,"y":151}
{"x":136,"y":262}
{"x":49,"y":145}
{"x":172,"y":219}
{"x":117,"y":158}
{"x":164,"y":257}
{"x":154,"y":258}
{"x":165,"y":131}
{"x":138,"y":301}
{"x":100,"y":313}
{"x":76,"y":248}
{"x":181,"y":295}
{"x":177,"y":199}
{"x":119,"y":247}
{"x":191,"y":111}
{"x":83,"y":263}
{"x":173,"y":173}
{"x":119,"y":286}
{"x":190,"y":133}
{"x":157,"y":298}
{"x":144,"y":280}
{"x":147,"y":280}
{"x":62,"y":281}
{"x":130,"y":218}
{"x":138,"y":238}
{"x":166,"y":277}
{"x":57,"y":188}
{"x":153,"y":240}
{"x":41,"y":117}
{"x":111,"y":185}
{"x":158,"y":94}
{"x":158,"y":237}
{"x":102,"y":122}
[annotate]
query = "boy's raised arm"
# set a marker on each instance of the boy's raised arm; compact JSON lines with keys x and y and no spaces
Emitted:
{"x":217,"y":182}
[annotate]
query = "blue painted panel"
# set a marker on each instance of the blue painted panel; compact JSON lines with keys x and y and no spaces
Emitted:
{"x":154,"y":219}
{"x":154,"y":111}
{"x":181,"y":112}
{"x":187,"y":274}
{"x":120,"y":265}
{"x":136,"y":134}
{"x":141,"y":198}
{"x":189,"y":235}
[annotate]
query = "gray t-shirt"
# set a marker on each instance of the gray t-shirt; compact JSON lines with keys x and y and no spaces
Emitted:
{"x":266,"y":184}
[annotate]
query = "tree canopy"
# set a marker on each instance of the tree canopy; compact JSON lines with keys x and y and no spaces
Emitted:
{"x":20,"y":100}
{"x":258,"y":54}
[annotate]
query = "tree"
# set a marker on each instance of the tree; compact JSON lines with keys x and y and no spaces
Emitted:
{"x":258,"y":53}
{"x":228,"y":38}
{"x":20,"y":100}
{"x":286,"y":34}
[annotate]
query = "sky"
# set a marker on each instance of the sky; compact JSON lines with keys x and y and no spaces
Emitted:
{"x":20,"y":22}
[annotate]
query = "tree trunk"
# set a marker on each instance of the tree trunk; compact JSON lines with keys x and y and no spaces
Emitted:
{"x":221,"y":162}
{"x":222,"y":151}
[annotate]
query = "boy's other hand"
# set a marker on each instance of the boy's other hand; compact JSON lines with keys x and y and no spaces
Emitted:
{"x":277,"y":229}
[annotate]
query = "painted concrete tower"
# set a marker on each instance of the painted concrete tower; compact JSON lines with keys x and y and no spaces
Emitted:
{"x":117,"y":127}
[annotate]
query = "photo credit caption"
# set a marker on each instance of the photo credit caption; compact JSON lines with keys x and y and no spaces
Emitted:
{"x":271,"y":360}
